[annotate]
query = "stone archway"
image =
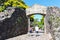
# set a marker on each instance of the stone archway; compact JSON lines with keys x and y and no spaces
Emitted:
{"x":36,"y":9}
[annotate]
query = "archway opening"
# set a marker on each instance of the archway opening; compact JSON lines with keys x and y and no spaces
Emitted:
{"x":36,"y":20}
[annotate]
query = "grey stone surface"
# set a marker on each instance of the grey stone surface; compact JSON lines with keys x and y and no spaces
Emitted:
{"x":29,"y":37}
{"x":36,"y":9}
{"x":14,"y":25}
{"x":53,"y":22}
{"x":7,"y":13}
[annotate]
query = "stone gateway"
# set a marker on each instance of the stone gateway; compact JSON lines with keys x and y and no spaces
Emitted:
{"x":51,"y":20}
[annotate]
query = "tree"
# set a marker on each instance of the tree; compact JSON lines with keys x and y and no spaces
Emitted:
{"x":42,"y":20}
{"x":12,"y":3}
{"x":15,"y":3}
{"x":35,"y":22}
{"x":41,"y":23}
{"x":2,"y":2}
{"x":32,"y":18}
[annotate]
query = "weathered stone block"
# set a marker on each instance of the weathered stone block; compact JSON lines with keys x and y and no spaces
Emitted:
{"x":53,"y":22}
{"x":16,"y":25}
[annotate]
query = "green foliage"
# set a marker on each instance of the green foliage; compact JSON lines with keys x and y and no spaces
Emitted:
{"x":35,"y":22}
{"x":2,"y":8}
{"x":15,"y":3}
{"x":12,"y":3}
{"x":2,"y":2}
{"x":32,"y":18}
{"x":42,"y":20}
{"x":39,"y":23}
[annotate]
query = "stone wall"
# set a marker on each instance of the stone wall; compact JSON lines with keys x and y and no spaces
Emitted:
{"x":13,"y":24}
{"x":53,"y":22}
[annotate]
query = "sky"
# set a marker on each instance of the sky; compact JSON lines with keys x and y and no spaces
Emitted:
{"x":38,"y":17}
{"x":42,"y":2}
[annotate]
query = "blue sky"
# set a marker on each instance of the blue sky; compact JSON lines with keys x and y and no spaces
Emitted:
{"x":38,"y":17}
{"x":42,"y":2}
